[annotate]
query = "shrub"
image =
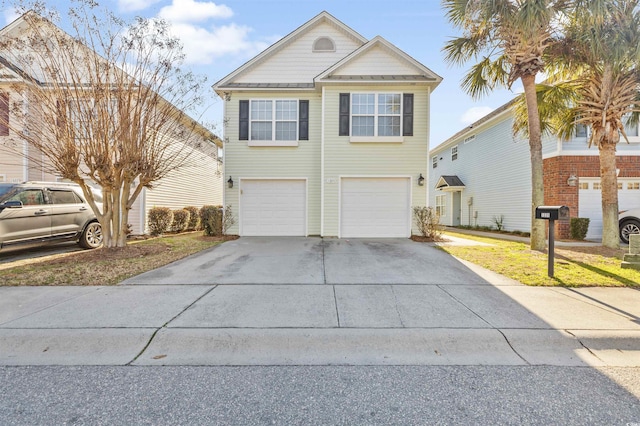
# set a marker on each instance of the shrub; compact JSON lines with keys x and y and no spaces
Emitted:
{"x":160,"y":219}
{"x":194,"y":218}
{"x":228,"y":220}
{"x":211,"y":220}
{"x":428,"y":222}
{"x":578,"y":227}
{"x":180,"y":220}
{"x":499,"y":222}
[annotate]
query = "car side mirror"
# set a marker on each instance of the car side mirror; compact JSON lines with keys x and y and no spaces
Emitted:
{"x":14,"y":204}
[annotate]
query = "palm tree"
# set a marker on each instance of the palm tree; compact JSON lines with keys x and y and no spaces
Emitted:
{"x":508,"y":38}
{"x":595,"y":82}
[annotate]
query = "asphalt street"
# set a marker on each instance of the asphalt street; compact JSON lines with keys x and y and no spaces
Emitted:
{"x":323,"y":395}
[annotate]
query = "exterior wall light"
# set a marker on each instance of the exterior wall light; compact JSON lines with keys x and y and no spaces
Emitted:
{"x":420,"y":180}
{"x":230,"y":183}
{"x":572,"y":181}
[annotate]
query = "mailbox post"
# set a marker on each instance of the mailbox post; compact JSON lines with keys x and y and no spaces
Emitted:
{"x":552,"y":213}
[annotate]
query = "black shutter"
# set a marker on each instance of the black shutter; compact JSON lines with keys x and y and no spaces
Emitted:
{"x":244,"y":121}
{"x":4,"y":114}
{"x":345,"y":100}
{"x":407,"y":114}
{"x":303,"y":121}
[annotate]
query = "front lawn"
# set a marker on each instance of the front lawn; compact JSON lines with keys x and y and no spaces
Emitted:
{"x":106,"y":266}
{"x":574,"y":266}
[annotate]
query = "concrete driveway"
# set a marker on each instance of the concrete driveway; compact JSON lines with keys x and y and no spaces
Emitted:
{"x":315,"y":261}
{"x":312,"y":301}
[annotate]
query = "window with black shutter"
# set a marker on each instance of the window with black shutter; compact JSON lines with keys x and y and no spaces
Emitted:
{"x":345,"y":100}
{"x":4,"y":114}
{"x":244,"y":121}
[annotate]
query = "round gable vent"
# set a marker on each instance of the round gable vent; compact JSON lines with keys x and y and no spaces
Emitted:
{"x":324,"y":44}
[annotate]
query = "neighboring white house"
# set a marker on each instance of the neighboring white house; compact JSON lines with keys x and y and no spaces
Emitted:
{"x":483,"y":173}
{"x":196,"y":184}
{"x":327,"y":133}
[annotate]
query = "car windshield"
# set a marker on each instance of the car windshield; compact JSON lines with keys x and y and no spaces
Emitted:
{"x":6,"y":191}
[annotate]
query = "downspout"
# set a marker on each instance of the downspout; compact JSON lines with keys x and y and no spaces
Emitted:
{"x":25,"y":143}
{"x":322,"y":183}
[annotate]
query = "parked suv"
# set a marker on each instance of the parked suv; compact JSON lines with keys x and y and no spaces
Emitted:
{"x":629,"y":221}
{"x":43,"y":212}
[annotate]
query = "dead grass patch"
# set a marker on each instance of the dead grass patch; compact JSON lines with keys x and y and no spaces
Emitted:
{"x":107,"y":266}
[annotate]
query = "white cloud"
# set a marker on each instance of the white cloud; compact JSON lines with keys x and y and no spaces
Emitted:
{"x":202,"y":45}
{"x":474,"y":114}
{"x":193,"y":11}
{"x":10,"y":15}
{"x":135,"y":5}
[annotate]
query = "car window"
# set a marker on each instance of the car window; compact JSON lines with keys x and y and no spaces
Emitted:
{"x":28,"y":197}
{"x":59,"y":196}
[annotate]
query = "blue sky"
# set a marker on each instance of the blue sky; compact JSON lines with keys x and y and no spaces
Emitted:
{"x":221,"y":36}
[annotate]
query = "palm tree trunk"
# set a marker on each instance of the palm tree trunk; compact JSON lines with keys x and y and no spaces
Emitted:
{"x":538,"y":237}
{"x":609,"y":182}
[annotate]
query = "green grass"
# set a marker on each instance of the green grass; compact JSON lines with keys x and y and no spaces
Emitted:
{"x":573,"y":267}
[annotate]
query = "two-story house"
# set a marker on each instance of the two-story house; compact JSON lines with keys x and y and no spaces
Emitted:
{"x":483,"y":173}
{"x":326,"y":133}
{"x":198,"y":183}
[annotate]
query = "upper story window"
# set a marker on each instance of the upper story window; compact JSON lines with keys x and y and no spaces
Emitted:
{"x":434,"y":162}
{"x":454,"y":153}
{"x":375,"y":114}
{"x":274,"y":122}
{"x":376,"y":117}
{"x":581,"y":131}
{"x":324,"y":44}
{"x":470,"y":139}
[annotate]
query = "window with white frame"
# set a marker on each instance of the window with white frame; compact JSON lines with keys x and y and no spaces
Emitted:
{"x":376,"y":114}
{"x":441,"y":205}
{"x":3,"y":178}
{"x":275,"y":120}
{"x":434,"y":162}
{"x":454,"y":153}
{"x":581,"y":130}
{"x":470,"y":139}
{"x":633,"y":186}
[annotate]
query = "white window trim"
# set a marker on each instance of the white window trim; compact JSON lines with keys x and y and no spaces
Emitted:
{"x":274,"y":141}
{"x":375,"y":138}
{"x":454,"y":152}
{"x":441,"y":205}
{"x":434,"y":162}
{"x":3,"y":178}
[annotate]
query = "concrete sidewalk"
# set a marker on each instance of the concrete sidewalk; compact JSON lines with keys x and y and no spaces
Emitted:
{"x":310,"y":301}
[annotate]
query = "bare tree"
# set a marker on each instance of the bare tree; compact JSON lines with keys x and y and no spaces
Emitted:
{"x":105,"y":105}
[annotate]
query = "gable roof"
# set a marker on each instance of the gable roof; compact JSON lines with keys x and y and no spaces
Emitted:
{"x":322,"y":17}
{"x":450,"y":183}
{"x":422,"y":73}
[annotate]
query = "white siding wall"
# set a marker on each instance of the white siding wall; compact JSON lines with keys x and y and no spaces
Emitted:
{"x":496,"y":171}
{"x":303,"y":161}
{"x":343,"y":158}
{"x":296,"y":63}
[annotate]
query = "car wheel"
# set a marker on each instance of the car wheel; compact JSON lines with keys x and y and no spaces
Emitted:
{"x":91,"y":236}
{"x":629,"y":227}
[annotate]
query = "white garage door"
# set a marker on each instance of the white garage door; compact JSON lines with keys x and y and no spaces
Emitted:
{"x":590,"y":202}
{"x":273,"y":207}
{"x":375,"y":207}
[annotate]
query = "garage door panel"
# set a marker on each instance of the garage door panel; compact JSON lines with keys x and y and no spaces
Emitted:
{"x":273,"y":208}
{"x":590,"y":201}
{"x":375,"y":207}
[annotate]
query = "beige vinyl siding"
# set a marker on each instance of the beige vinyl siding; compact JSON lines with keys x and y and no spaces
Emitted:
{"x":303,"y":161}
{"x":297,"y":63}
{"x":343,"y":158}
{"x":197,"y":183}
{"x":377,"y":61}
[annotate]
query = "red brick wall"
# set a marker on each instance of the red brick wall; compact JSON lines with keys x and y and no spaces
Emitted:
{"x":558,"y":169}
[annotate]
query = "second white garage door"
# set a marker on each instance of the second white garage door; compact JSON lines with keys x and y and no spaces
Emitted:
{"x":375,"y":207}
{"x":273,"y":207}
{"x":590,"y":201}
